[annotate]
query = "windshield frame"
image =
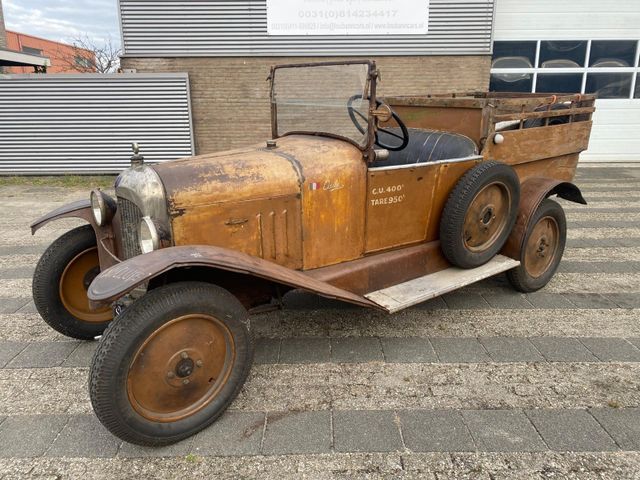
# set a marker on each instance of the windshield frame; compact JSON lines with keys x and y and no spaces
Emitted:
{"x":370,"y":86}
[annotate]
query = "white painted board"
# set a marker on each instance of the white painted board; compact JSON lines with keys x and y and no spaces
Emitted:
{"x":347,"y":17}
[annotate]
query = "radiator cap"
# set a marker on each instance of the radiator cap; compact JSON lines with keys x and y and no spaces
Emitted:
{"x":136,"y":158}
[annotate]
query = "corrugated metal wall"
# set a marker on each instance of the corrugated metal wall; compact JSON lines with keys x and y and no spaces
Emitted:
{"x":86,"y":123}
{"x":164,"y":28}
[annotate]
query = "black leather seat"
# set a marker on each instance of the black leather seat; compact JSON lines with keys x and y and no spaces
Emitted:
{"x":426,"y":146}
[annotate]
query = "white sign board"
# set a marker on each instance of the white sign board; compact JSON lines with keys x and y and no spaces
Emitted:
{"x":347,"y":17}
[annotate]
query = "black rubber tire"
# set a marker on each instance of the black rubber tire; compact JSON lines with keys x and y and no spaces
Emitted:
{"x":46,"y":281}
{"x":519,"y":278}
{"x":120,"y":342}
{"x":460,"y":199}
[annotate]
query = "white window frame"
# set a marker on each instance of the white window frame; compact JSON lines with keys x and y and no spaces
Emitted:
{"x":635,"y":70}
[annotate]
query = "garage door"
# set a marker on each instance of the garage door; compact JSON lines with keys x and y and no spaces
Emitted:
{"x":585,"y":46}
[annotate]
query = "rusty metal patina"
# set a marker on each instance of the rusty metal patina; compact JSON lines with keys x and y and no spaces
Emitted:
{"x":193,"y":356}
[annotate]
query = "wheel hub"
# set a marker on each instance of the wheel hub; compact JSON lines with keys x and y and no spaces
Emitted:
{"x":90,"y":277}
{"x":542,"y":247}
{"x":74,"y":282}
{"x":185,"y":368}
{"x":486,"y":217}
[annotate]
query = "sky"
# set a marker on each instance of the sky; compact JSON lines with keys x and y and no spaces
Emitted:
{"x":64,"y":20}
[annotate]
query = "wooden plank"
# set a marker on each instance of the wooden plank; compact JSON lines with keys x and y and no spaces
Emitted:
{"x":543,"y":114}
{"x":398,"y":297}
{"x":560,"y":168}
{"x":530,"y":144}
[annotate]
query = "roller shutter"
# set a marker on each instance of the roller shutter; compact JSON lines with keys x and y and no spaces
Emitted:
{"x":86,"y":123}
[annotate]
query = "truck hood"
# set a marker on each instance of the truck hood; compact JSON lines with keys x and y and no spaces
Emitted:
{"x":249,"y":173}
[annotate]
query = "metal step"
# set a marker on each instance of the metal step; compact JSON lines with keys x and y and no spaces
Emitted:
{"x":403,"y":295}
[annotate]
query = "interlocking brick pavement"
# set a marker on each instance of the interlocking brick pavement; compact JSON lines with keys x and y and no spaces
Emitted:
{"x":482,"y":383}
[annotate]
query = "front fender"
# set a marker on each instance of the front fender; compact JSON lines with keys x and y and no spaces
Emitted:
{"x":120,"y":279}
{"x":105,"y":239}
{"x":532,"y":192}
{"x":78,"y":209}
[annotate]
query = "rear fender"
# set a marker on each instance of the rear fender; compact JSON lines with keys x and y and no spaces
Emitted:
{"x":532,"y":192}
{"x":120,"y":279}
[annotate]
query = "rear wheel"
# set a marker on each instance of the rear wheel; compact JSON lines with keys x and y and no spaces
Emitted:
{"x":60,"y":283}
{"x":171,"y":363}
{"x":542,"y":250}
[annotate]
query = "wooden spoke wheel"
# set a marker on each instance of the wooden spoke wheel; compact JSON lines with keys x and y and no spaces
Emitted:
{"x":171,"y":363}
{"x":542,"y":248}
{"x":60,"y":283}
{"x":479,"y":214}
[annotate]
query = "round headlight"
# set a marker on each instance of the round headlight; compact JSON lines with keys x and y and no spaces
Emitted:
{"x":148,"y":235}
{"x":100,"y":207}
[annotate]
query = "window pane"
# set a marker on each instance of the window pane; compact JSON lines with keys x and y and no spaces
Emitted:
{"x":513,"y":54}
{"x":609,"y":85}
{"x":612,"y":53}
{"x":562,"y":54}
{"x":511,"y":82}
{"x":637,"y":94}
{"x":32,"y":51}
{"x":559,"y":83}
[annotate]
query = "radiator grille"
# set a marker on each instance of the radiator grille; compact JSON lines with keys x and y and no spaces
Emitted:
{"x":130,"y":217}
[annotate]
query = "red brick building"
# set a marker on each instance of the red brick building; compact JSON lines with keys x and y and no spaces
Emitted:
{"x":64,"y":58}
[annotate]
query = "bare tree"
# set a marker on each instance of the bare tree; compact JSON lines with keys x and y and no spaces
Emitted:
{"x":90,"y":56}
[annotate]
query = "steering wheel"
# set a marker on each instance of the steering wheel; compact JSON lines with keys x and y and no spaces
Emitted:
{"x":404,"y":133}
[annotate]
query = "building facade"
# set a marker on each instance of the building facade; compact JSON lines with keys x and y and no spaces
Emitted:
{"x":10,"y":58}
{"x":64,"y":58}
{"x":227,"y":52}
{"x":585,"y":46}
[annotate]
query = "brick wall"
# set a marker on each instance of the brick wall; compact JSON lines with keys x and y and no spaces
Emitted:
{"x":230,"y":96}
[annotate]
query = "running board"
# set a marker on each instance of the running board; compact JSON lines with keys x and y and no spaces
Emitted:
{"x":403,"y":295}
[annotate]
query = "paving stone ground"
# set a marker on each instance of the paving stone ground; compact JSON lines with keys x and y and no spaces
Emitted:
{"x":481,"y":383}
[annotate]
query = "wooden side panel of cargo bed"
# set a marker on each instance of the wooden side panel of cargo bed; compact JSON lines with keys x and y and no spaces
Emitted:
{"x":531,"y":144}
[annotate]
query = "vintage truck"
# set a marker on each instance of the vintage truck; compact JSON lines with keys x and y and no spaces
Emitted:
{"x":380,"y":202}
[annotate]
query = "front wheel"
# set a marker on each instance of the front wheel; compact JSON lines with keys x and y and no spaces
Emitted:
{"x":171,"y":363}
{"x":542,"y":250}
{"x":60,"y":283}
